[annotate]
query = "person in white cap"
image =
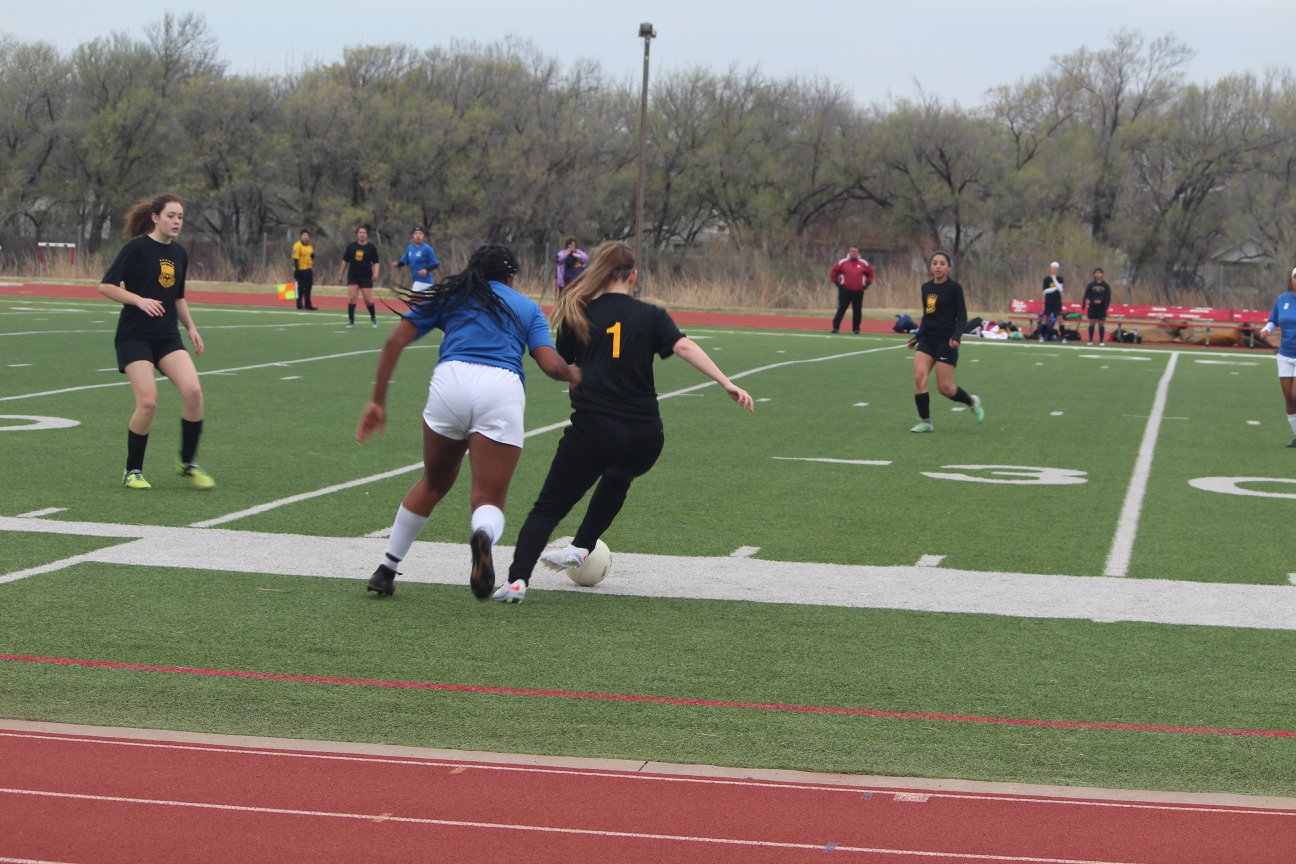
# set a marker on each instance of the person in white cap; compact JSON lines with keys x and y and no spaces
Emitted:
{"x":1052,"y":303}
{"x":1283,"y":317}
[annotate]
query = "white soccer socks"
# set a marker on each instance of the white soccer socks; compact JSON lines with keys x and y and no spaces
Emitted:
{"x":490,"y":519}
{"x":404,"y":530}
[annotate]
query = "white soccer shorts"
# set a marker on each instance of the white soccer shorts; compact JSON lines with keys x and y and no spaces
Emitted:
{"x":1286,"y":367}
{"x":468,"y":397}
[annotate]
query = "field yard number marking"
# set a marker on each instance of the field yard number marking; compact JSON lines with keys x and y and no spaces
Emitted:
{"x":1233,"y":486}
{"x":1021,"y":475}
{"x":1014,"y":475}
{"x":615,"y":330}
{"x":32,"y":423}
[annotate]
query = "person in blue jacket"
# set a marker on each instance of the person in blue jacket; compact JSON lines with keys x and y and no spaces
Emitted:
{"x":421,"y":259}
{"x":1283,"y":317}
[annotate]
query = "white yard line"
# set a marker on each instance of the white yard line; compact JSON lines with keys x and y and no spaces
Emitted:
{"x":1118,"y":560}
{"x":228,"y":371}
{"x":914,"y":588}
{"x":206,"y":327}
{"x":51,"y":567}
{"x":373,"y":478}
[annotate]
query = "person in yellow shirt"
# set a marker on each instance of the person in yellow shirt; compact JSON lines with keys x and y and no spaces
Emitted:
{"x":303,"y":256}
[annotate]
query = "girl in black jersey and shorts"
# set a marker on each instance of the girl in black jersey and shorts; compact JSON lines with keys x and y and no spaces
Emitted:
{"x":937,"y":341}
{"x":616,"y":430}
{"x":152,"y":269}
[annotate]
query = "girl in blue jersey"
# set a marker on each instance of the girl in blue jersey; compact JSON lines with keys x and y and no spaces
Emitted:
{"x":616,"y":430}
{"x":1283,"y":317}
{"x":421,"y":259}
{"x":475,"y":402}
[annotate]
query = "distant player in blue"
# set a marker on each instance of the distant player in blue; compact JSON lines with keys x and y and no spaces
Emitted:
{"x":475,"y":402}
{"x":421,"y":259}
{"x":1283,"y":317}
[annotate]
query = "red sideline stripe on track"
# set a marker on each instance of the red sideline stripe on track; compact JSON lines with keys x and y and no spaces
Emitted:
{"x":659,"y":700}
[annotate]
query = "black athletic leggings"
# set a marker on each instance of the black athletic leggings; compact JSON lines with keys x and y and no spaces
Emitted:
{"x":853,"y":299}
{"x":305,"y":282}
{"x":595,"y":448}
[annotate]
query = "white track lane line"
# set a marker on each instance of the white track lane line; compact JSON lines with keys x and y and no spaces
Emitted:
{"x":387,"y":818}
{"x":774,"y":786}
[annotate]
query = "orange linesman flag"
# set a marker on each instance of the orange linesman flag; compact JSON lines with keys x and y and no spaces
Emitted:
{"x":287,"y":291}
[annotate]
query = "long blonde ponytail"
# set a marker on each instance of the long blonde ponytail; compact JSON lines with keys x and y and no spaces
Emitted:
{"x":612,"y":261}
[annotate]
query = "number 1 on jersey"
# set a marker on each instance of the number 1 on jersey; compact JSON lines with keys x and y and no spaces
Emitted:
{"x":615,"y":330}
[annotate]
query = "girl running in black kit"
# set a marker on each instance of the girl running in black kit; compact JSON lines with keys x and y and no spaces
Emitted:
{"x":152,"y":267}
{"x":616,"y":430}
{"x":937,"y":341}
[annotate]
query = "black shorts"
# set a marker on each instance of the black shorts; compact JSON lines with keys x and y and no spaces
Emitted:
{"x":1097,"y":314}
{"x":139,"y":348}
{"x":366,"y":282}
{"x":939,"y":348}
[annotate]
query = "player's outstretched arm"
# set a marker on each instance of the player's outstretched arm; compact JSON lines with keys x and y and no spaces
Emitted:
{"x":693,"y":354}
{"x":374,"y":416}
{"x":555,"y":366}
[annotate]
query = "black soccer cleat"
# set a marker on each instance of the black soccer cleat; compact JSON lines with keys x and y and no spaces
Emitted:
{"x":383,"y":581}
{"x":1293,"y":443}
{"x":482,"y":580}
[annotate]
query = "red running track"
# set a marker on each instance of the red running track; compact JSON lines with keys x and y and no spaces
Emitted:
{"x":84,"y":799}
{"x":268,"y":299}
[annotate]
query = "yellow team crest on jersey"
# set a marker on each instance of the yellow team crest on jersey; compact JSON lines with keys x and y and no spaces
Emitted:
{"x":166,"y":275}
{"x":359,"y":255}
{"x":931,"y":304}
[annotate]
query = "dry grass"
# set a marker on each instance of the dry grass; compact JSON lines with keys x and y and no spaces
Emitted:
{"x":715,"y":283}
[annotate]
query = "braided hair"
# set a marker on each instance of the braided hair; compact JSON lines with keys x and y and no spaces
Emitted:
{"x":469,"y":286}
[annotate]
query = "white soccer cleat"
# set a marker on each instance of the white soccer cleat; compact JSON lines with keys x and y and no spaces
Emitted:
{"x":571,"y":558}
{"x":513,"y":592}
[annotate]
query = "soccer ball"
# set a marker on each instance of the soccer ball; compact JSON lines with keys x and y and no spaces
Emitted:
{"x":596,"y":566}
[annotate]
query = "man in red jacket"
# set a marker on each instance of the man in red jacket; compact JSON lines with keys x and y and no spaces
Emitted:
{"x":852,"y":275}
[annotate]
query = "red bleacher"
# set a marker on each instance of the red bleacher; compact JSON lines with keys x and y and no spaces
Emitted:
{"x":1151,"y":314}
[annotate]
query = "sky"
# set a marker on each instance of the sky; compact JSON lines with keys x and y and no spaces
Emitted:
{"x":954,"y":51}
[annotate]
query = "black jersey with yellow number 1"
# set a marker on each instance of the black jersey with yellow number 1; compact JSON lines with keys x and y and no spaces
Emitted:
{"x":616,"y":363}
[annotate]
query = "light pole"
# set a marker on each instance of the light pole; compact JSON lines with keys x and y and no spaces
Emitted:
{"x":646,"y":32}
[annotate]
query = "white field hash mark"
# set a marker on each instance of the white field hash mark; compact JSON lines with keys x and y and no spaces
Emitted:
{"x":757,"y":580}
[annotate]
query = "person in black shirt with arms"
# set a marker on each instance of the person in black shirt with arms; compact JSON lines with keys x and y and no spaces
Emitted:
{"x":1097,"y":298}
{"x":152,"y":267}
{"x":937,"y":341}
{"x":360,"y":268}
{"x":1051,"y":327}
{"x":616,"y":430}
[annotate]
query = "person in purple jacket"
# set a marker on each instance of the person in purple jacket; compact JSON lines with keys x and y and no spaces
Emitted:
{"x":571,"y":263}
